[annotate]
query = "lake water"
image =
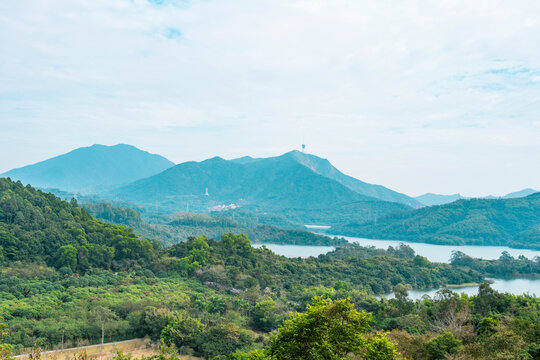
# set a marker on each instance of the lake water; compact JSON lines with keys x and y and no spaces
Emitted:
{"x":515,"y":286}
{"x":435,"y":253}
{"x":442,"y":253}
{"x":317,"y":227}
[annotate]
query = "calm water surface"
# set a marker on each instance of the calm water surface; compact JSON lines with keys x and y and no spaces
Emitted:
{"x":442,"y":253}
{"x":515,"y":286}
{"x":435,"y":253}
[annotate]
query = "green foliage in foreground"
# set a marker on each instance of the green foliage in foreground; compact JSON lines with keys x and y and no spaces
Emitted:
{"x":219,"y":324}
{"x":226,"y":300}
{"x":329,"y":330}
{"x":506,"y":222}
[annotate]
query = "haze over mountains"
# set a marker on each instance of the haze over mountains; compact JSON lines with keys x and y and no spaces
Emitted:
{"x":278,"y":184}
{"x":430,"y":199}
{"x":326,"y":169}
{"x":92,"y":169}
{"x":302,"y":187}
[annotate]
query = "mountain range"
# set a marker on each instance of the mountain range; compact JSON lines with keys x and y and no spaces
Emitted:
{"x":302,"y":187}
{"x":506,"y":222}
{"x":430,"y":199}
{"x":325,"y":168}
{"x":92,"y":169}
{"x":281,"y":184}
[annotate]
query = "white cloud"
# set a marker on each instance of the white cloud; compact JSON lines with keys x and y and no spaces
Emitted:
{"x":416,"y":95}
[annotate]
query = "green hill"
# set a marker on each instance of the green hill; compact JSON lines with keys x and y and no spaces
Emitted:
{"x":38,"y":226}
{"x":280,"y":185}
{"x":91,"y":169}
{"x":505,"y":222}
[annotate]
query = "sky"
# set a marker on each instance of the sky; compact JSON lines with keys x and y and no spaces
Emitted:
{"x":421,"y":96}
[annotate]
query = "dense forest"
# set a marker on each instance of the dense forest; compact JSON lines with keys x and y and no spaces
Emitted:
{"x":82,"y":281}
{"x":200,"y":312}
{"x":505,"y":222}
{"x":37,"y":226}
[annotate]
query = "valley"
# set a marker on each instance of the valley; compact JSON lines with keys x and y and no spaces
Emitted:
{"x":168,"y":257}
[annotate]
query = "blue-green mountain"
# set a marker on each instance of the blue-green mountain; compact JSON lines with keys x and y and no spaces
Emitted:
{"x":280,"y":184}
{"x":430,"y":199}
{"x":506,"y":222}
{"x":92,"y":169}
{"x":521,"y":193}
{"x":325,"y":168}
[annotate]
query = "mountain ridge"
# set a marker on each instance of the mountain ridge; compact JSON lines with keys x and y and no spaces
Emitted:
{"x":431,"y":199}
{"x":503,"y":222}
{"x":272,"y":184}
{"x":324,"y":167}
{"x":91,"y":169}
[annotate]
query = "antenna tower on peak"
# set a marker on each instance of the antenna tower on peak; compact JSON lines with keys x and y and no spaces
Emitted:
{"x":303,"y":148}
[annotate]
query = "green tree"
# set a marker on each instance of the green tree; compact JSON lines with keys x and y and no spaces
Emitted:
{"x":223,"y":339}
{"x":200,"y":250}
{"x":102,"y":316}
{"x":5,"y":349}
{"x":66,"y":256}
{"x":154,"y":320}
{"x":329,"y":330}
{"x":100,"y":255}
{"x":380,"y":348}
{"x":264,"y":315}
{"x":438,"y":348}
{"x":487,"y":326}
{"x":184,"y":332}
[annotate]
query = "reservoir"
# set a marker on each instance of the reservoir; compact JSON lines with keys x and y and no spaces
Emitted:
{"x":513,"y":286}
{"x":442,"y":253}
{"x":435,"y":253}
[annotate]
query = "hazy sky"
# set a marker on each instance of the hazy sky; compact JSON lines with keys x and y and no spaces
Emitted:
{"x":440,"y":96}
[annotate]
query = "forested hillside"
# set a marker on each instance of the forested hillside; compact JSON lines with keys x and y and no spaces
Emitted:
{"x":81,"y":279}
{"x":279,"y":185}
{"x":506,"y":222}
{"x":37,"y":226}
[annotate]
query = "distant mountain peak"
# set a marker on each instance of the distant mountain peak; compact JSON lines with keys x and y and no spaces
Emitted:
{"x":215,"y":159}
{"x":325,"y":168}
{"x":92,"y":169}
{"x":431,"y":199}
{"x":520,"y":193}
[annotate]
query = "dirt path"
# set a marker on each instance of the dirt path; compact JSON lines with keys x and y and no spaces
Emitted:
{"x":136,"y":347}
